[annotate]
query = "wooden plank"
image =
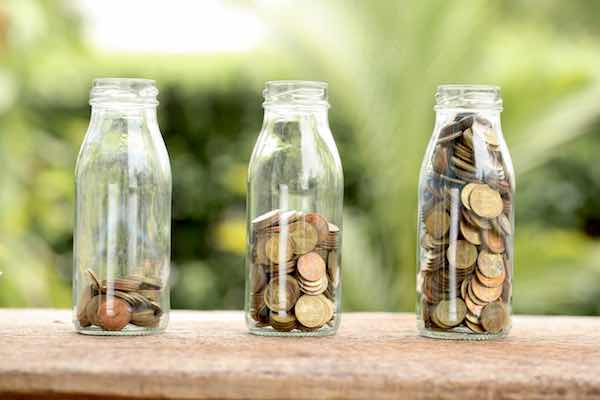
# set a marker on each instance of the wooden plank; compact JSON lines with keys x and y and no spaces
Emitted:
{"x":209,"y":355}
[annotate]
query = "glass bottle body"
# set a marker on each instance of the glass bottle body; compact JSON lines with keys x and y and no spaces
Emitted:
{"x":294,"y":211}
{"x":465,"y":251}
{"x":122,"y":234}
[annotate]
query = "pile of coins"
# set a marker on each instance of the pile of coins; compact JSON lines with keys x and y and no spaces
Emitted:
{"x":465,"y":269}
{"x":294,"y":272}
{"x":111,"y":306}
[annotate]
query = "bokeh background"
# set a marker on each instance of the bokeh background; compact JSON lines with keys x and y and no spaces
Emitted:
{"x":383,"y":60}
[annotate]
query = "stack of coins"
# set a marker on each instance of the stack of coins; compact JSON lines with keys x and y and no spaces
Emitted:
{"x":112,"y":305}
{"x":466,"y":215}
{"x":294,"y":271}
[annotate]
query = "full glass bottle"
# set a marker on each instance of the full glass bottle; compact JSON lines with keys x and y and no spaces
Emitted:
{"x":294,"y":210}
{"x":122,"y":234}
{"x":465,"y":251}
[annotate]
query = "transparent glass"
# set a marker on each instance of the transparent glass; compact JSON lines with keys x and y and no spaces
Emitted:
{"x":122,"y":233}
{"x":465,"y":250}
{"x":294,"y":209}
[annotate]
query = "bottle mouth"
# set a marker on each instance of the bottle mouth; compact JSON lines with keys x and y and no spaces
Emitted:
{"x":125,"y":91}
{"x":299,"y":93}
{"x":468,"y":97}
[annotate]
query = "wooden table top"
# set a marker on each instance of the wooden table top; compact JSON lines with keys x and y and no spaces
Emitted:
{"x":209,"y":355}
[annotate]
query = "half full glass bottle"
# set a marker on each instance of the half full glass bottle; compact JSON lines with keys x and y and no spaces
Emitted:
{"x":294,"y":208}
{"x":465,"y":252}
{"x":122,"y":234}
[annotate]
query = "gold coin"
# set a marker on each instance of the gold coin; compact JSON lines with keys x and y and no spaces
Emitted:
{"x":465,"y":194}
{"x":451,"y":312}
{"x":437,"y":222}
{"x":461,"y":254}
{"x":311,"y":266}
{"x":493,"y":241}
{"x":485,"y":293}
{"x":311,"y":311}
{"x":486,"y":202}
{"x":332,"y":267}
{"x":304,"y":237}
{"x":494,"y":317}
{"x":470,"y":233}
{"x":490,"y":265}
{"x":273,"y":248}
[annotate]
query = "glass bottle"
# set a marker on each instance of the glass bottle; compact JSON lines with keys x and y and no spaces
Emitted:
{"x":294,"y":210}
{"x":465,"y":252}
{"x":122,"y":234}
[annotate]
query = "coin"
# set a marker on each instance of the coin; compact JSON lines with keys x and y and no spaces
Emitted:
{"x":493,"y":241}
{"x":465,"y":194}
{"x":491,"y":265}
{"x":462,"y":254}
{"x":114,"y":314}
{"x":473,"y":308}
{"x":304,"y":237}
{"x":450,"y":312}
{"x":311,"y":266}
{"x":84,"y":299}
{"x":311,"y":311}
{"x":437,"y":222}
{"x":494,"y":317}
{"x":258,"y":278}
{"x":470,"y":233}
{"x":485,"y":293}
{"x":282,"y":300}
{"x":273,"y":249}
{"x":504,"y":224}
{"x":320,"y":224}
{"x":486,"y":202}
{"x":267,"y":219}
{"x":474,"y":327}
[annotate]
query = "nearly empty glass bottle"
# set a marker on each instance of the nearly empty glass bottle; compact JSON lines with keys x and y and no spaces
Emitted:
{"x":294,"y":228}
{"x":465,"y":251}
{"x":122,"y":234}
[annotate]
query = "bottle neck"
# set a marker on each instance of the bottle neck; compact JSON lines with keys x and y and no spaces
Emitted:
{"x":283,"y":114}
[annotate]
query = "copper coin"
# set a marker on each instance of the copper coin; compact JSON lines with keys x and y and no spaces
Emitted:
{"x":494,"y":317}
{"x":493,"y":241}
{"x":311,"y":266}
{"x":114,"y":314}
{"x":485,"y":293}
{"x":320,"y":224}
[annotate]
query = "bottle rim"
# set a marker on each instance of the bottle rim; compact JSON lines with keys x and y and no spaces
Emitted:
{"x":301,"y":93}
{"x":468,"y":96}
{"x":125,"y":91}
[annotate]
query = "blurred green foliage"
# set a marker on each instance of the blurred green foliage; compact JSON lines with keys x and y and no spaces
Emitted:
{"x":383,"y":61}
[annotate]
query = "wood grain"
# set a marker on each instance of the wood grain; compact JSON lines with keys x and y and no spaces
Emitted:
{"x":209,"y":355}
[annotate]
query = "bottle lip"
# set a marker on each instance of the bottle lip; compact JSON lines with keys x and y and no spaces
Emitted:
{"x":123,"y":91}
{"x":301,"y":93}
{"x":468,"y":96}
